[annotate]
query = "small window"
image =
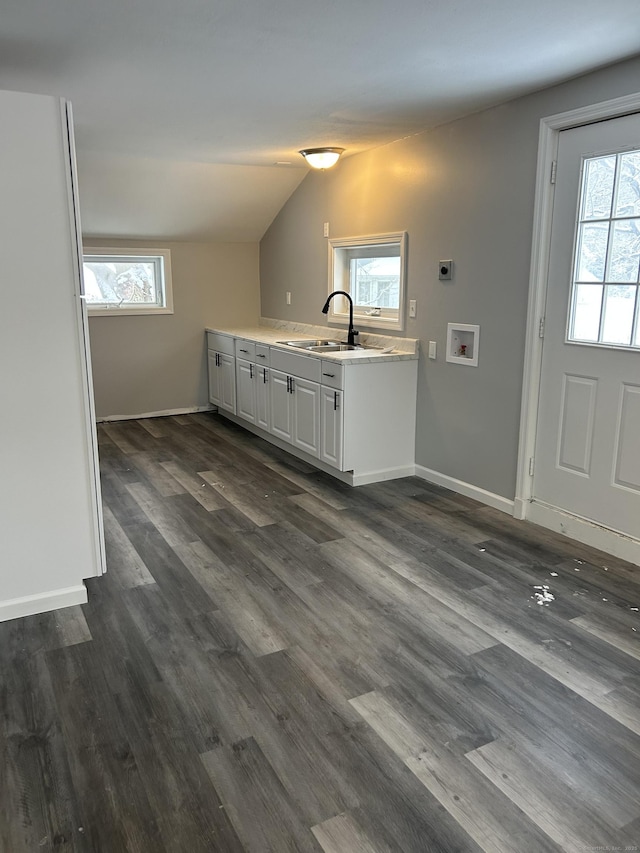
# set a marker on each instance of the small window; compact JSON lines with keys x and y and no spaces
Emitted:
{"x":372,"y":271}
{"x":127,"y":281}
{"x":605,"y":297}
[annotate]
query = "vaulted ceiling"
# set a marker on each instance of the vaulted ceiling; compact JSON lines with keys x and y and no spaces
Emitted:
{"x":182,"y":110}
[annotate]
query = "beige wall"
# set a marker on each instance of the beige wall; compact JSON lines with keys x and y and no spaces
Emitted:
{"x":463,"y":191}
{"x":154,"y":364}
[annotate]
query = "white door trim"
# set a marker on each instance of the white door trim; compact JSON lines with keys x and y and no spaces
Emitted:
{"x":550,"y":127}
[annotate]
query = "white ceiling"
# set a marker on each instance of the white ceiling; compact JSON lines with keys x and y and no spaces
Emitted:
{"x":183,"y":108}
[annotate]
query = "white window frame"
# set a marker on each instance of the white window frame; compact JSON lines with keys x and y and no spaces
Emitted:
{"x":340,"y":252}
{"x":162,"y":259}
{"x":570,"y":337}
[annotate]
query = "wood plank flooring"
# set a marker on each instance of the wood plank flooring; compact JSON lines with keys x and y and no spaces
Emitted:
{"x":277,"y":662}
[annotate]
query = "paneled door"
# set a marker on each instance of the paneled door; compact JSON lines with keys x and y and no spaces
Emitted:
{"x":306,"y":415}
{"x":587,"y":458}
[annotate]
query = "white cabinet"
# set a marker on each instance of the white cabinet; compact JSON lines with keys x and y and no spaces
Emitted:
{"x":253,"y":402}
{"x":281,"y":405}
{"x":357,"y":418}
{"x":222,"y":380}
{"x":295,"y":411}
{"x":246,"y":390}
{"x":306,"y":415}
{"x":331,"y":426}
{"x":215,"y":377}
{"x":263,"y":397}
{"x":222,"y":371}
{"x":228,"y":382}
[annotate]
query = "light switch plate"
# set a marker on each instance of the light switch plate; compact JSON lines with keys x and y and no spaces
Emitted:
{"x":288,"y":297}
{"x":432,"y":349}
{"x":412,"y":307}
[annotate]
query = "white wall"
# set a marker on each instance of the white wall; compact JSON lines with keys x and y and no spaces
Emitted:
{"x":49,"y":535}
{"x":158,"y":363}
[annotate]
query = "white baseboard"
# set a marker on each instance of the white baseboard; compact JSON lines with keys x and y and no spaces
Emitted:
{"x":29,"y":605}
{"x":520,"y":508}
{"x":466,"y":489}
{"x":574,"y":527}
{"x":163,"y":414}
{"x":380,"y":476}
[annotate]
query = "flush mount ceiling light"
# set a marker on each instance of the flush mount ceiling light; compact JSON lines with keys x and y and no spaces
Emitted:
{"x":322,"y":158}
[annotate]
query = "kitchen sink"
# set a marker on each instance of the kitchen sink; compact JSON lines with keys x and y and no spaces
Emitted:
{"x":325,"y":346}
{"x":310,"y":344}
{"x":333,"y":348}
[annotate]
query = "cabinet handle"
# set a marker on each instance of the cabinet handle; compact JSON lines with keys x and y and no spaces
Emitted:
{"x":288,"y":384}
{"x":330,"y":375}
{"x":217,"y":359}
{"x":244,"y":350}
{"x":264,"y":375}
{"x":260,"y":355}
{"x":250,"y":371}
{"x":335,"y":400}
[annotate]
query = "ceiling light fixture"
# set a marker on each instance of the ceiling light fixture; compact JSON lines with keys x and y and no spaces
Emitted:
{"x":321,"y":158}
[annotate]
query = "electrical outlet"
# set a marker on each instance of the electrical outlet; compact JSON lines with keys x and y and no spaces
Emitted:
{"x":326,"y":229}
{"x":413,"y":307}
{"x":432,"y":349}
{"x":288,"y":297}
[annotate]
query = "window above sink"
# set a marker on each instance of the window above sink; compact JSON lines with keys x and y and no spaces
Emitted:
{"x":373,"y":271}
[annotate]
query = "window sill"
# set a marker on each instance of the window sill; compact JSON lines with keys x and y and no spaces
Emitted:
{"x":367,"y":321}
{"x":126,"y":312}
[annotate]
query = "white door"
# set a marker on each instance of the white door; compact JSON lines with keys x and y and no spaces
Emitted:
{"x":263,"y":407}
{"x":306,"y":416}
{"x":281,"y":406}
{"x":587,"y":459}
{"x":246,"y":389}
{"x":331,"y":427}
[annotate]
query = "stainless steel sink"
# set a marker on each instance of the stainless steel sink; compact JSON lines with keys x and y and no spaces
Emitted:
{"x":325,"y":346}
{"x":310,"y":344}
{"x":333,"y":348}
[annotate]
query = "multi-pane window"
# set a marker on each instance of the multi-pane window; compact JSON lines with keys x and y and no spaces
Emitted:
{"x":605,"y":303}
{"x":130,"y":281}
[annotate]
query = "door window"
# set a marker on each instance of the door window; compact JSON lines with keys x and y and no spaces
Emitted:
{"x":605,"y":304}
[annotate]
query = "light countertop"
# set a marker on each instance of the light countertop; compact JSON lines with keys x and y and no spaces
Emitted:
{"x":273,"y":332}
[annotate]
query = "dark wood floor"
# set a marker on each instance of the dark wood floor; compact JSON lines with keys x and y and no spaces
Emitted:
{"x":277,"y":662}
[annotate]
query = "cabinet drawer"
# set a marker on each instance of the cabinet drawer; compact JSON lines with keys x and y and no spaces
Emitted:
{"x":332,"y":374}
{"x":220,"y":343}
{"x":245,"y":349}
{"x":262,"y":354}
{"x":293,"y":364}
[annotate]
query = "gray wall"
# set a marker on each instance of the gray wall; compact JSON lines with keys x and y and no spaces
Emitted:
{"x":463,"y":191}
{"x":154,"y":364}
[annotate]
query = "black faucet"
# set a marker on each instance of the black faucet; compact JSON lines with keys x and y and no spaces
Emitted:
{"x":351,"y":335}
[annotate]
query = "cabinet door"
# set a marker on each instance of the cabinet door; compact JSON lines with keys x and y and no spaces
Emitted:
{"x":263,"y":399}
{"x":246,"y":389}
{"x":306,"y":415}
{"x":331,"y":427}
{"x":281,"y":405}
{"x":214,"y":378}
{"x":227,"y":382}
